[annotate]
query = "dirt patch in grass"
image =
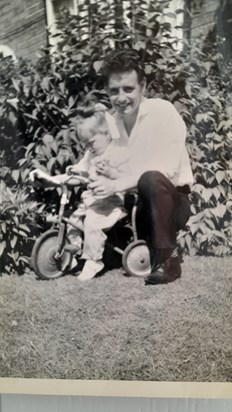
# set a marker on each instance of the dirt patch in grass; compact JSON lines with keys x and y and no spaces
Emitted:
{"x":114,"y":327}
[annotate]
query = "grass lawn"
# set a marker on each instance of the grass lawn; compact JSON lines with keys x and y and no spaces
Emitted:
{"x":114,"y":327}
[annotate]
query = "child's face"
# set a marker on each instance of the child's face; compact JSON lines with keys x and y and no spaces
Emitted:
{"x":98,"y":143}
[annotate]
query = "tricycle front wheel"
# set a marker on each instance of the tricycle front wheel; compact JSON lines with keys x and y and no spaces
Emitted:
{"x":44,"y":260}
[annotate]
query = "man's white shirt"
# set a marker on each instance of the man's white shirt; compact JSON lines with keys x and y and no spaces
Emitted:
{"x":156,"y":142}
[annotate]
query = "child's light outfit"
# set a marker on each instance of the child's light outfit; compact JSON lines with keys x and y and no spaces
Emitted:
{"x":101,"y":213}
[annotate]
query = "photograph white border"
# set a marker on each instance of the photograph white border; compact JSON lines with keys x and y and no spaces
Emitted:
{"x":202,"y":390}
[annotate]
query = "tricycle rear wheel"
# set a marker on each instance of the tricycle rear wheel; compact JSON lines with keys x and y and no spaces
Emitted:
{"x":136,"y":259}
{"x":43,"y":259}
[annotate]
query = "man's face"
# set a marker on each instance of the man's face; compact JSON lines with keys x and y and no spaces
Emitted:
{"x":125,"y":92}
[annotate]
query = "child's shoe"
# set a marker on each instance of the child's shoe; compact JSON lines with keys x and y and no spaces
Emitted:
{"x":90,"y":269}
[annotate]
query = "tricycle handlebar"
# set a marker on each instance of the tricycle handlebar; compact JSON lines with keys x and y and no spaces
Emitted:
{"x":60,"y":180}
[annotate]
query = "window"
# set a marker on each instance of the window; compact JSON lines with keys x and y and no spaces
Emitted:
{"x":176,"y":21}
{"x":169,"y":16}
{"x":124,"y":8}
{"x":52,"y":10}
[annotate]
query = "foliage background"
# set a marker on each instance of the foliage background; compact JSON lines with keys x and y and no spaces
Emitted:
{"x":37,"y":117}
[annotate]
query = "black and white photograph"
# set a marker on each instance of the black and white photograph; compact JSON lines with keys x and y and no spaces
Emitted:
{"x":115,"y":190}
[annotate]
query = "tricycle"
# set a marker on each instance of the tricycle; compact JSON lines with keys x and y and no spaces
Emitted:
{"x":53,"y":255}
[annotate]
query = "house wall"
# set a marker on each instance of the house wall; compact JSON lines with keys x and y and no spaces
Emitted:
{"x":22,"y":23}
{"x":212,"y":20}
{"x":203,"y":17}
{"x":22,"y":26}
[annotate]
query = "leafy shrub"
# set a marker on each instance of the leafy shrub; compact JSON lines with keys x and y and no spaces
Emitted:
{"x":38,"y":103}
{"x":17,"y":228}
{"x":209,"y":84}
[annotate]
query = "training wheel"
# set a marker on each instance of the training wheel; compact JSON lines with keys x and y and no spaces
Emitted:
{"x":136,"y":259}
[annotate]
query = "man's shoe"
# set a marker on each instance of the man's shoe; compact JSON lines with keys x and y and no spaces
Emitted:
{"x":168,"y":272}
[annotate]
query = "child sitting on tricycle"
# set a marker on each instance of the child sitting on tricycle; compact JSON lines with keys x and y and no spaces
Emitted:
{"x":105,"y":157}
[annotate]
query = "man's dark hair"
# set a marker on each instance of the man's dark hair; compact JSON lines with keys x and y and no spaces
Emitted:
{"x":121,"y":61}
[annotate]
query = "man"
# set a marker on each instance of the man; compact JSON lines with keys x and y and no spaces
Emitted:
{"x":155,"y":135}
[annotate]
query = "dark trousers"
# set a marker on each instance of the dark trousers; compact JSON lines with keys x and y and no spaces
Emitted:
{"x":163,"y":209}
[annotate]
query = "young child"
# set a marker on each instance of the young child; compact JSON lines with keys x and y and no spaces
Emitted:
{"x":103,"y":157}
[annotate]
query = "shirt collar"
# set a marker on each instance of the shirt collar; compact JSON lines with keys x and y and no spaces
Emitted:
{"x":143,"y":108}
{"x":111,"y":121}
{"x":116,"y":119}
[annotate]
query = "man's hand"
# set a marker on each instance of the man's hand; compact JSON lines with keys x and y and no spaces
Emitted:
{"x":102,"y":167}
{"x":69,"y":169}
{"x":102,"y":187}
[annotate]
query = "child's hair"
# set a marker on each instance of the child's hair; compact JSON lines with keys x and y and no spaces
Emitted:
{"x":91,"y":116}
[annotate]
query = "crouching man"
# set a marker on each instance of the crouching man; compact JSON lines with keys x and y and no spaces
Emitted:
{"x":155,"y":135}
